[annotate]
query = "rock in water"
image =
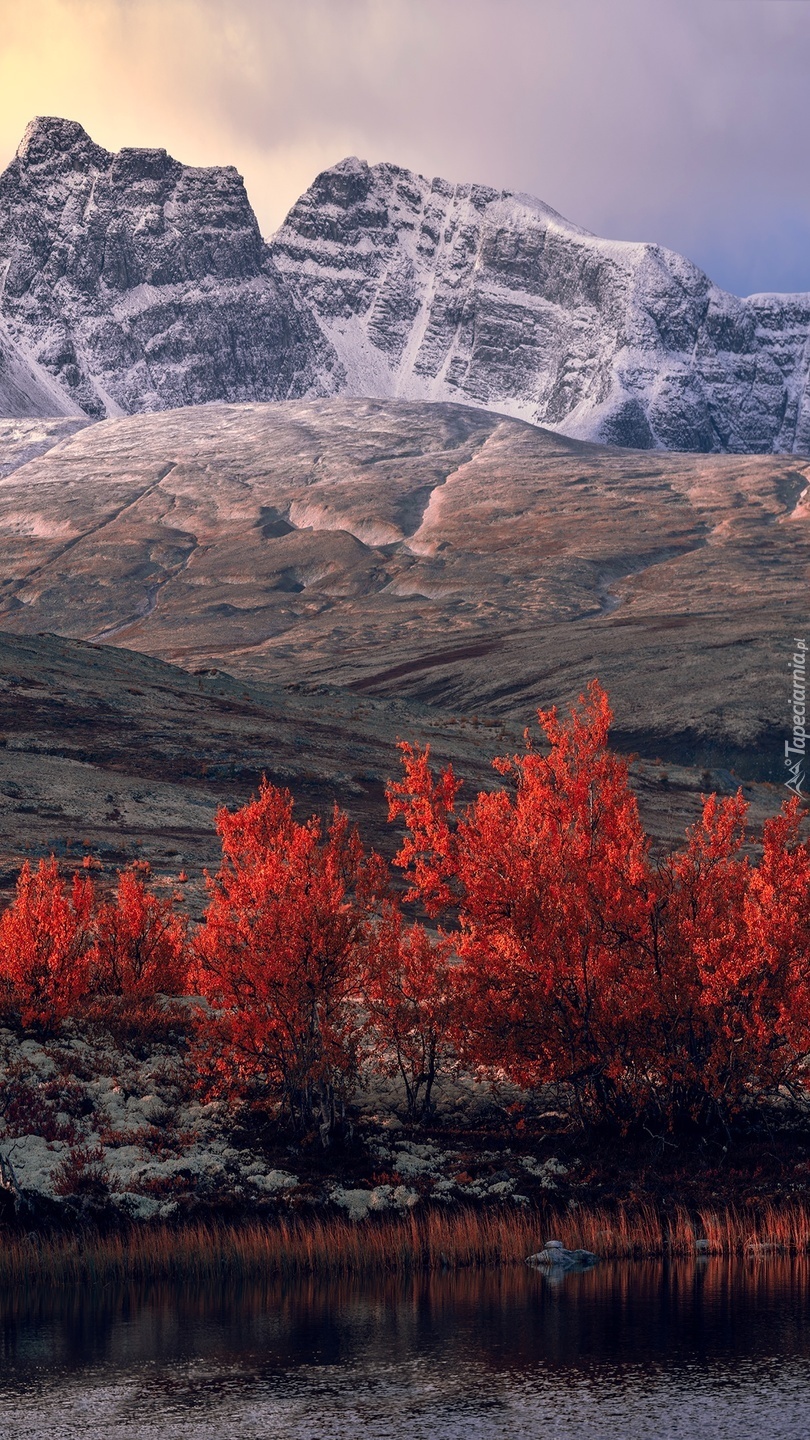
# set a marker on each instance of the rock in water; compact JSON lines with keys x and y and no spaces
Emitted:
{"x":554,"y":1256}
{"x":130,"y":282}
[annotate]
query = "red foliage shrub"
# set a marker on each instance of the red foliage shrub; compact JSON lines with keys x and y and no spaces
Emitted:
{"x":29,"y":1107}
{"x":410,"y":1000}
{"x":674,"y":991}
{"x":82,"y":1173}
{"x":140,"y":942}
{"x":280,"y":957}
{"x":139,"y":961}
{"x":45,"y":935}
{"x":63,"y":952}
{"x":777,"y":925}
{"x":549,"y":885}
{"x":726,"y":1010}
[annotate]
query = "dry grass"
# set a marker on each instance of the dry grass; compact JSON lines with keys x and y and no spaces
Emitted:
{"x":402,"y":1245}
{"x":643,"y":1232}
{"x":327,"y":1246}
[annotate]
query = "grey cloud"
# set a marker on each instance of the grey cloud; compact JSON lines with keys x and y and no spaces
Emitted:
{"x":682,"y":121}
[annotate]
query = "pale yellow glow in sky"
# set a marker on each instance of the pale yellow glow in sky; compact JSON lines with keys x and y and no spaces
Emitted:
{"x":168,"y":73}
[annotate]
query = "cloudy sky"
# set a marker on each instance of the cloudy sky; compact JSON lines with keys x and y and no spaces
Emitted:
{"x":681,"y":121}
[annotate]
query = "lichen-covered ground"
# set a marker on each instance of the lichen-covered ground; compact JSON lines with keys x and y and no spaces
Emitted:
{"x":86,"y":1123}
{"x":104,"y":1132}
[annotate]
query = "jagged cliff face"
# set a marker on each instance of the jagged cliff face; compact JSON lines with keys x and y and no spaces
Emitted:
{"x":434,"y":291}
{"x":130,"y":282}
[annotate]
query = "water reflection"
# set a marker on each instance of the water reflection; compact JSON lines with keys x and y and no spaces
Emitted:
{"x":638,"y":1350}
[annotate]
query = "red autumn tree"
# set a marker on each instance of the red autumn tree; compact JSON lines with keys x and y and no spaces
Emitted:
{"x":139,"y":954}
{"x":281,"y":955}
{"x":727,"y":1012}
{"x":410,"y":1000}
{"x":684,"y":1063}
{"x":777,"y":925}
{"x":549,"y":884}
{"x":673,"y":993}
{"x":45,"y":936}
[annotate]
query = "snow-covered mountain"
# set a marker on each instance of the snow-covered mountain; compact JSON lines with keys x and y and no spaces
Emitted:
{"x":455,"y":292}
{"x":130,"y":282}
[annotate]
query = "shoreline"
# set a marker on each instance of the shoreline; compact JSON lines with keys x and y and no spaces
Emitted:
{"x":433,"y":1240}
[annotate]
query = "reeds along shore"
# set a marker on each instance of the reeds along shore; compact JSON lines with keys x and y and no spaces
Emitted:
{"x":332,"y":1247}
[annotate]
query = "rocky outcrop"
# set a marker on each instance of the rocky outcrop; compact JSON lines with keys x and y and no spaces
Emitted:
{"x":130,"y":282}
{"x":457,"y":292}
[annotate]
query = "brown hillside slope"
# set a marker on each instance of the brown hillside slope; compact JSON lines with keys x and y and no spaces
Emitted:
{"x":433,"y":551}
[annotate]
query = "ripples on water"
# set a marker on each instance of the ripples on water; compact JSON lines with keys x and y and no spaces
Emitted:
{"x":626,"y":1352}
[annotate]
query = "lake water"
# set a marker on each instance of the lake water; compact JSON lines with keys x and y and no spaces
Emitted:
{"x":642,"y":1351}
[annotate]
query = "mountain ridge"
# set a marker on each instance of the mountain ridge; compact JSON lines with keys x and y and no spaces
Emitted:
{"x":130,"y":282}
{"x":521,"y":311}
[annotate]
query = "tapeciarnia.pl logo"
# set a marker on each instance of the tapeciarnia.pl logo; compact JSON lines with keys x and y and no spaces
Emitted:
{"x":795,"y":752}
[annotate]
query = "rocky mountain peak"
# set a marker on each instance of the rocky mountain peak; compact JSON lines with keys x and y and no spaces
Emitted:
{"x":131,"y":282}
{"x":433,"y":291}
{"x":344,"y":184}
{"x":49,"y":139}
